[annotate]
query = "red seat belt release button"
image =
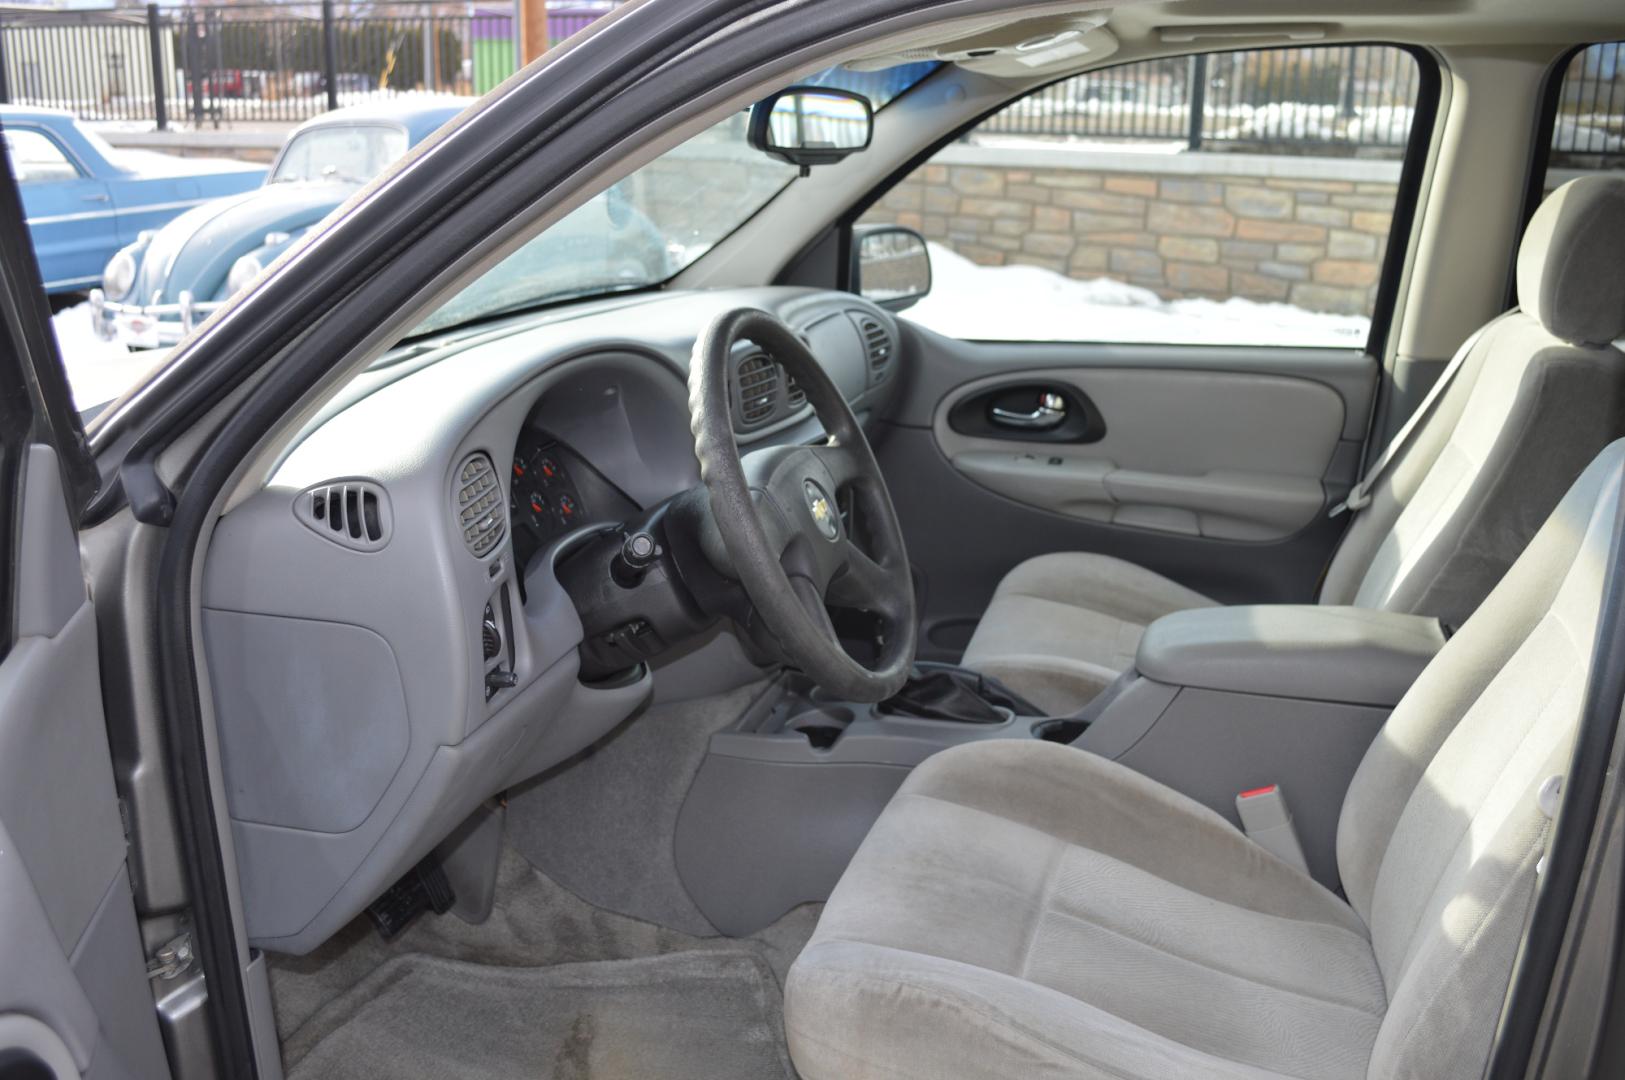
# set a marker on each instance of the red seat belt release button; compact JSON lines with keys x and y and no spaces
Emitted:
{"x":1268,"y":823}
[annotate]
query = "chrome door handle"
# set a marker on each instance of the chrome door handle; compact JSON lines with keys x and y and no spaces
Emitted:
{"x":95,"y":198}
{"x":1050,"y":413}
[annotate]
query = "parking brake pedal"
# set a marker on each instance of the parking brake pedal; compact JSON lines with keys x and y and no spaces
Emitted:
{"x":424,"y":888}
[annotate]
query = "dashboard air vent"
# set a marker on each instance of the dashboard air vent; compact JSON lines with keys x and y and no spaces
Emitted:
{"x":482,"y":512}
{"x":354,"y":513}
{"x":794,"y":396}
{"x":876,"y":342}
{"x":758,"y":382}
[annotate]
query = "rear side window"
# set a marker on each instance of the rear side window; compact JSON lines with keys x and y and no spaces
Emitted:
{"x":1230,"y":198}
{"x":35,"y":159}
{"x":1588,"y":125}
{"x":354,"y":153}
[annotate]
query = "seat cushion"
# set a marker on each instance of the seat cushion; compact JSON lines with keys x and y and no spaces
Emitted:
{"x":1025,"y":909}
{"x":1062,"y":626}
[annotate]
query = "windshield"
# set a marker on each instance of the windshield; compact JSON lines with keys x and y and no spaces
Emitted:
{"x":355,"y":153}
{"x":656,"y":221}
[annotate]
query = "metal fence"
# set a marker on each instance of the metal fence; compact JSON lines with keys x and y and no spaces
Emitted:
{"x":1345,"y":99}
{"x":286,"y":62}
{"x":1350,"y":100}
{"x":262,"y":62}
{"x":1589,"y":129}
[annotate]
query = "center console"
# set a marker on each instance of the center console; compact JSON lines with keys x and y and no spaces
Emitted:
{"x":1220,"y":701}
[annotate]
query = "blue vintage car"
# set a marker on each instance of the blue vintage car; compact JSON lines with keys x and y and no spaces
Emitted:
{"x":85,"y":200}
{"x":157,"y":288}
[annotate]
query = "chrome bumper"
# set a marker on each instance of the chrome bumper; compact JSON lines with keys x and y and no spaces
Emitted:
{"x":148,"y":326}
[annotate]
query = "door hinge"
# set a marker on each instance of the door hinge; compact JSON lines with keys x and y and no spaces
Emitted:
{"x":173,"y":958}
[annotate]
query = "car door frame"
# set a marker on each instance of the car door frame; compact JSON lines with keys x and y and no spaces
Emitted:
{"x":832,"y":253}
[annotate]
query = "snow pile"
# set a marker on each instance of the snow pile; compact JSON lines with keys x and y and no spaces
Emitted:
{"x":1014,"y":303}
{"x":98,"y":371}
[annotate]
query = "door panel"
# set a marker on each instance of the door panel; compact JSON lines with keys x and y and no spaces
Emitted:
{"x":69,"y":947}
{"x":1203,"y":453}
{"x":1215,"y":467}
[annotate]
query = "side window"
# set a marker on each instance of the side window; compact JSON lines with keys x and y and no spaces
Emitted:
{"x":35,"y":159}
{"x":1588,"y":129}
{"x":1230,"y":198}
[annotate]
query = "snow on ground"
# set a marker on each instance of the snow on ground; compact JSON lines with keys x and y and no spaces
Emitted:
{"x":98,"y":371}
{"x":1005,"y":303}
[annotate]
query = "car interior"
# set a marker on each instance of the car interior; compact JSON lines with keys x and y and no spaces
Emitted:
{"x":761,"y":673}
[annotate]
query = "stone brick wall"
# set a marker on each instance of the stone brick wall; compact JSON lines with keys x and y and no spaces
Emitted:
{"x":1313,"y":242}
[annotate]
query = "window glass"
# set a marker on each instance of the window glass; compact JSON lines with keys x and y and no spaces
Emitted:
{"x":353,"y":153}
{"x":35,"y":159}
{"x":1232,"y":198}
{"x":1588,"y":130}
{"x":658,"y":220}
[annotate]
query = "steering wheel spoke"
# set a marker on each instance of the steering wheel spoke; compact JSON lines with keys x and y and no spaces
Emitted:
{"x":861,"y":583}
{"x":813,"y":604}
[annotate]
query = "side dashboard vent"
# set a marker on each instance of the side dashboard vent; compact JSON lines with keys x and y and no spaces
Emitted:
{"x":877,"y":342}
{"x":353,"y":513}
{"x":758,"y":382}
{"x":482,"y":512}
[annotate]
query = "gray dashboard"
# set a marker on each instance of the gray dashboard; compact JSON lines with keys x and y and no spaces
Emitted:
{"x":345,"y":604}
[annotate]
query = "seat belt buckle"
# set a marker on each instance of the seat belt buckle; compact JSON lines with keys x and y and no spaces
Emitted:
{"x":1268,"y":823}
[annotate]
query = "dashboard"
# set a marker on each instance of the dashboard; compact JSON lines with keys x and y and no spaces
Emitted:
{"x":380,"y":667}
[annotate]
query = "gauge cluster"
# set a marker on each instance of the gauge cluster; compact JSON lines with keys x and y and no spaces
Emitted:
{"x":555,"y":491}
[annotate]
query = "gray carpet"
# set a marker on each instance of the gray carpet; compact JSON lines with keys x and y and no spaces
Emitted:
{"x":601,"y":825}
{"x":711,"y":1014}
{"x":535,"y":924}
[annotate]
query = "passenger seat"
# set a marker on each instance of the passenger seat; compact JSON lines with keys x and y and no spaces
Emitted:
{"x":1539,"y":393}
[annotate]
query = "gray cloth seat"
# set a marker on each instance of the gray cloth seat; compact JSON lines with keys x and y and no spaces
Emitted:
{"x":1537,"y":396}
{"x":1025,"y":909}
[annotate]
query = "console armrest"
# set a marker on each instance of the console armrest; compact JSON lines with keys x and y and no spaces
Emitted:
{"x":1313,"y":652}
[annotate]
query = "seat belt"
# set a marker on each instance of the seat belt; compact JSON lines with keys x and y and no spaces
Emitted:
{"x":1359,"y":497}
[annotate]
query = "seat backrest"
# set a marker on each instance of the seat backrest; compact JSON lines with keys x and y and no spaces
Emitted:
{"x":1539,"y":395}
{"x":1441,"y":829}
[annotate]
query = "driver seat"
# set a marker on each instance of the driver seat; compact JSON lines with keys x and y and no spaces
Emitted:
{"x":1027,"y":909}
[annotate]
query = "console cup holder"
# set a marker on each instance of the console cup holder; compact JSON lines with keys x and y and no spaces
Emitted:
{"x":821,"y":725}
{"x":1063,"y":729}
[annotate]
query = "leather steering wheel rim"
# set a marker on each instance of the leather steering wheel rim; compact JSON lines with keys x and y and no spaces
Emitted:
{"x":777,"y":511}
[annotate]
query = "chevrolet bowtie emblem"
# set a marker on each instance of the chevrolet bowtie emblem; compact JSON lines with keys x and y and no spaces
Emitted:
{"x":823,"y":513}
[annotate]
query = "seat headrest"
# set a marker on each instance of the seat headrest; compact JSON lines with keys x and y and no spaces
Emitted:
{"x":1571,"y":264}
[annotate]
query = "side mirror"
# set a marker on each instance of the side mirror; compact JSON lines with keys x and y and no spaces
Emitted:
{"x":811,"y":125}
{"x":892,"y":266}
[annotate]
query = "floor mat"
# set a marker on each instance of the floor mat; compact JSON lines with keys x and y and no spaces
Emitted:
{"x":535,"y":923}
{"x":712,"y":1014}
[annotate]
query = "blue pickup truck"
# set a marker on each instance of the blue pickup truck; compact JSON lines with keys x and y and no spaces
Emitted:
{"x":85,"y":200}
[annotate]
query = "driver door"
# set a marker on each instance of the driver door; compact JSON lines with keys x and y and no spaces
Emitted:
{"x":75,"y":999}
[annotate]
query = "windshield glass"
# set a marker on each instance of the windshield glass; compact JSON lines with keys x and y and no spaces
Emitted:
{"x":354,"y":153}
{"x":656,"y":221}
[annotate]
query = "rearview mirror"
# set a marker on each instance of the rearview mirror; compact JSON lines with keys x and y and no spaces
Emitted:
{"x":893,"y":265}
{"x":811,"y":125}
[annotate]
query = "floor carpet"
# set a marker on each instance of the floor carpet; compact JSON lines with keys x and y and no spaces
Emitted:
{"x":712,"y":1014}
{"x":537,"y":927}
{"x":602,"y":824}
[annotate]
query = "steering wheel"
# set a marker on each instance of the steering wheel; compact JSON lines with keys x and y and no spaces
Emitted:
{"x":778,"y":513}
